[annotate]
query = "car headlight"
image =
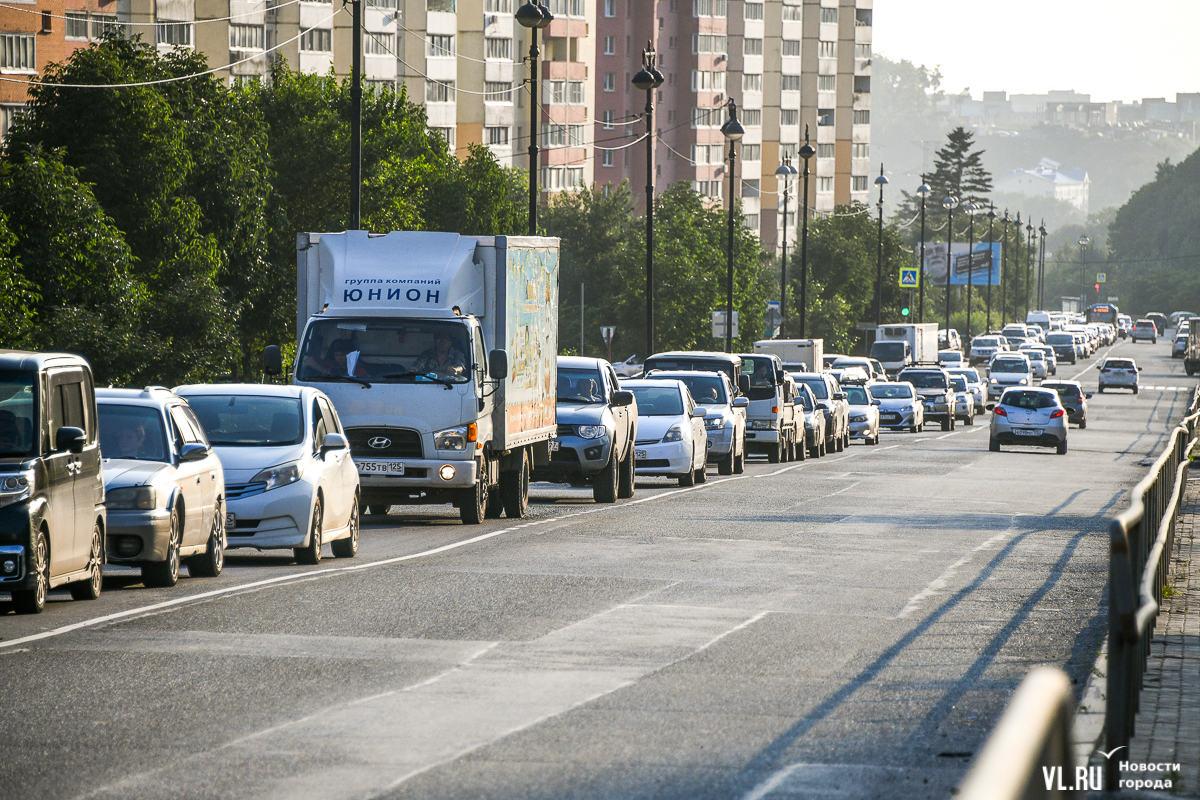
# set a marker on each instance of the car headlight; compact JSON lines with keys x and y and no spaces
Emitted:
{"x":674,"y":435}
{"x":455,"y":438}
{"x":1023,"y":381}
{"x":995,"y":381}
{"x":15,"y":488}
{"x":131,"y":498}
{"x":714,"y":423}
{"x":858,"y":418}
{"x":761,"y":425}
{"x":590,"y":431}
{"x":282,"y":475}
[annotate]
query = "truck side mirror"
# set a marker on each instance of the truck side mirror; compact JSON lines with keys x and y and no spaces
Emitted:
{"x":272,"y":360}
{"x":623,"y":397}
{"x":744,"y":383}
{"x":68,"y":438}
{"x":498,"y":364}
{"x":779,"y":378}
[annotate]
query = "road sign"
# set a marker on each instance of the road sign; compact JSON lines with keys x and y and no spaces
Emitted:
{"x":718,"y":324}
{"x":1113,"y":299}
{"x":909,"y":278}
{"x":1101,"y":277}
{"x":607,"y":332}
{"x":773,"y":319}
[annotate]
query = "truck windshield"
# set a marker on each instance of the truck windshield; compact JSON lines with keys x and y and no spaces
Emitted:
{"x":579,"y":386}
{"x":135,"y":432}
{"x":386,"y":351}
{"x":705,"y":390}
{"x":888,"y":351}
{"x":762,"y":377}
{"x":17,"y":420}
{"x":249,"y":421}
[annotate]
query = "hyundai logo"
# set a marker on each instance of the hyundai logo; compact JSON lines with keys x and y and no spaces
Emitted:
{"x":380,"y":442}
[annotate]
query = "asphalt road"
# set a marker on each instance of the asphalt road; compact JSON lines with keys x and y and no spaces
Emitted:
{"x":847,"y":627}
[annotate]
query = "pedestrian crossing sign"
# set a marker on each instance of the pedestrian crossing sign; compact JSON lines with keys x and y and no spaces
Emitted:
{"x":908,"y":278}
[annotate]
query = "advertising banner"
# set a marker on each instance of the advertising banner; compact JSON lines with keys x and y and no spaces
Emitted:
{"x":981,"y":263}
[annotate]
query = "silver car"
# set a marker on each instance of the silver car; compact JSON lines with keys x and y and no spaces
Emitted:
{"x":964,"y":400}
{"x":724,"y":416}
{"x":1008,"y":369}
{"x":1037,"y":361}
{"x":864,"y":414}
{"x":899,"y":405}
{"x":1028,"y":416}
{"x":974,"y":385}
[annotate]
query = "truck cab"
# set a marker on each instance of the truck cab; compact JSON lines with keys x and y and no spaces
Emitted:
{"x":771,"y":417}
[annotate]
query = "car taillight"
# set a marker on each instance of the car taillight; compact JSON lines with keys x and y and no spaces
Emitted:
{"x":1058,"y":412}
{"x":1000,"y":411}
{"x":1106,"y":369}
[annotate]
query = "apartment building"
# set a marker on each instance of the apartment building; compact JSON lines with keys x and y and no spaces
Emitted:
{"x":787,"y":64}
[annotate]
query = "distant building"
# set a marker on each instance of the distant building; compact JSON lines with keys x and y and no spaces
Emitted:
{"x":1049,"y":180}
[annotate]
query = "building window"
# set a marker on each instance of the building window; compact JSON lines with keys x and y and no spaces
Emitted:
{"x":553,"y":178}
{"x":825,"y":184}
{"x":709,"y":43}
{"x":554,"y":92}
{"x":706,"y":117}
{"x":826,"y":83}
{"x":705,"y":81}
{"x":575,"y":93}
{"x":751,"y":221}
{"x":862,"y":18}
{"x":447,"y":6}
{"x":751,"y":82}
{"x":439,"y":91}
{"x":8,"y":115}
{"x":752,"y":152}
{"x":751,"y":188}
{"x":862,"y":84}
{"x":752,"y":47}
{"x":607,"y":118}
{"x":708,"y":8}
{"x":829,"y":15}
{"x":753,"y":11}
{"x":498,"y":136}
{"x":439,"y":45}
{"x":574,"y":177}
{"x":610,"y":8}
{"x":318,"y":40}
{"x":790,"y":47}
{"x":789,"y":116}
{"x":606,"y":158}
{"x":246,"y":37}
{"x":498,"y":48}
{"x":610,"y":45}
{"x":77,"y":26}
{"x":824,"y":116}
{"x":610,"y":81}
{"x":859,"y":183}
{"x":789,"y":83}
{"x":825,"y":150}
{"x":788,"y":151}
{"x":860,"y":150}
{"x":862,"y":51}
{"x":554,"y":136}
{"x":378,"y":44}
{"x":495,"y":6}
{"x":752,"y":116}
{"x":862,"y":117}
{"x":792,"y":13}
{"x":447,"y":134}
{"x":105,"y":24}
{"x":498,"y":92}
{"x":700,"y":154}
{"x":826,"y":50}
{"x":575,"y":136}
{"x":707,"y":188}
{"x":178,"y":34}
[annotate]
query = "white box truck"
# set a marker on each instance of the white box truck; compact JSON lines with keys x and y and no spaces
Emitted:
{"x":899,"y":346}
{"x":438,"y":351}
{"x":797,"y":355}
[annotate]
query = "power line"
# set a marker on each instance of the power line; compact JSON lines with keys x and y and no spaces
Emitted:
{"x":106,"y":18}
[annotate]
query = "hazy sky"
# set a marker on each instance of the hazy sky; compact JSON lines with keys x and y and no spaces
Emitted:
{"x":1111,"y":49}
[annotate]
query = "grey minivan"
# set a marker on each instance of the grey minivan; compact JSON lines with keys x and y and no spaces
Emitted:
{"x":52,"y":514}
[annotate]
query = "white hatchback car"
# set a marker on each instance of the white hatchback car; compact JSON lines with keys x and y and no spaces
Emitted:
{"x":290,"y":480}
{"x":1119,"y":372}
{"x":671,"y":438}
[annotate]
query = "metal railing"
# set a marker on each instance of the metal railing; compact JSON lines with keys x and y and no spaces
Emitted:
{"x":1141,"y":539}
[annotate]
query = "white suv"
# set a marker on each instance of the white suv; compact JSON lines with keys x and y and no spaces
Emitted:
{"x":1121,"y":372}
{"x":1007,"y":370}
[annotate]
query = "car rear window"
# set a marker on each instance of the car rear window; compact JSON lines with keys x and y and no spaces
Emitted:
{"x":1118,"y":364}
{"x":925,"y":380}
{"x":1064,"y":389}
{"x":1060,"y":338}
{"x":818,"y":387}
{"x":1028,"y":400}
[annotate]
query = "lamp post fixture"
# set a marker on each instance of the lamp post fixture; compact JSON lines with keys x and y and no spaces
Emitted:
{"x":1031,"y":232}
{"x":991,"y":215}
{"x":648,"y":79}
{"x":1042,"y":267}
{"x":923,"y":190}
{"x":784,"y":173}
{"x":1084,"y":241}
{"x":972,"y":209}
{"x":534,"y":17}
{"x":950,"y":202}
{"x":732,"y":130}
{"x":881,"y":182}
{"x":807,"y":151}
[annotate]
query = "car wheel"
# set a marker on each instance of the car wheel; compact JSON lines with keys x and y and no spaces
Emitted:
{"x":702,"y":474}
{"x":348,"y":547}
{"x":210,"y":563}
{"x":514,"y":488}
{"x":166,"y":573}
{"x":90,"y":589}
{"x":912,"y":428}
{"x":824,"y":448}
{"x":32,"y":601}
{"x":801,"y":449}
{"x":604,"y":485}
{"x":1100,"y":389}
{"x":689,"y":478}
{"x":970,"y":418}
{"x":776,"y":453}
{"x":946,"y":423}
{"x":739,"y":461}
{"x":472,"y":503}
{"x":311,"y":552}
{"x":1135,"y":390}
{"x":1062,"y":448}
{"x":725,"y":465}
{"x":994,"y":446}
{"x":625,"y":481}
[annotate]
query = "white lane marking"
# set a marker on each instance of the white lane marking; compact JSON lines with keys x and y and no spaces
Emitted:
{"x":947,"y":435}
{"x":939,"y":583}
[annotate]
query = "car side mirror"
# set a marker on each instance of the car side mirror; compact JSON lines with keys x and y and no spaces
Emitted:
{"x":741,"y":402}
{"x":73,"y":439}
{"x":744,"y":384}
{"x":193,"y":452}
{"x":699,"y":412}
{"x":1098,"y":366}
{"x":1088,"y":396}
{"x":498,"y":364}
{"x":622,"y":397}
{"x":272,"y":360}
{"x":839,"y":396}
{"x":990,"y":407}
{"x":876,"y":403}
{"x":334,"y":441}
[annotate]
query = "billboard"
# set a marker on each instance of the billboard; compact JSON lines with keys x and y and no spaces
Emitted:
{"x":983,"y":264}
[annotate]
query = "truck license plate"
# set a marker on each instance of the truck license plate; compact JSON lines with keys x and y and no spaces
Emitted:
{"x":1027,"y":431}
{"x":639,"y":455}
{"x":380,"y":467}
{"x":554,"y":443}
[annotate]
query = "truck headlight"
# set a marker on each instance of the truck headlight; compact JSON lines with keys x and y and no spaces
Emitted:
{"x":590,"y":431}
{"x":131,"y":498}
{"x":714,"y":423}
{"x":282,"y":475}
{"x":15,"y":488}
{"x":674,"y":435}
{"x":455,"y":438}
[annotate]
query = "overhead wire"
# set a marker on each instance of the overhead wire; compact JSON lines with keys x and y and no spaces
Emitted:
{"x":106,"y":19}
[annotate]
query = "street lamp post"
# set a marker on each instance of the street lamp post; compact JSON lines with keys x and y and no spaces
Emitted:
{"x":784,"y":173}
{"x":881,"y":182}
{"x":534,"y":17}
{"x":356,"y":118}
{"x":972,"y":209}
{"x":991,"y":215}
{"x":649,"y":79}
{"x":950,"y":202}
{"x":807,"y":151}
{"x":1042,"y":267}
{"x":923,"y":190}
{"x":1084,"y":241}
{"x":1032,"y":234}
{"x":732,"y":130}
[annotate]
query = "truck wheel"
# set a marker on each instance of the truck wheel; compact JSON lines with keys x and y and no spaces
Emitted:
{"x":495,"y":503}
{"x":514,"y":488}
{"x":625,"y":479}
{"x":776,"y":454}
{"x":604,"y":485}
{"x":725,"y":465}
{"x":472,"y":503}
{"x":32,"y":601}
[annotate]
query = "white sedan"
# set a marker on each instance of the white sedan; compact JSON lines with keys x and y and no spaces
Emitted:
{"x":671,"y":439}
{"x":290,"y":480}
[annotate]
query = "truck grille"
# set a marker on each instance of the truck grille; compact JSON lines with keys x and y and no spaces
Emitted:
{"x":389,"y":443}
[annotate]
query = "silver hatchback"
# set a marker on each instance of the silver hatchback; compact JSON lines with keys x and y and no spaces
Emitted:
{"x":1029,"y":417}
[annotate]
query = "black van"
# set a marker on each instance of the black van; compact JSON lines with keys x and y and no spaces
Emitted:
{"x":52,"y":516}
